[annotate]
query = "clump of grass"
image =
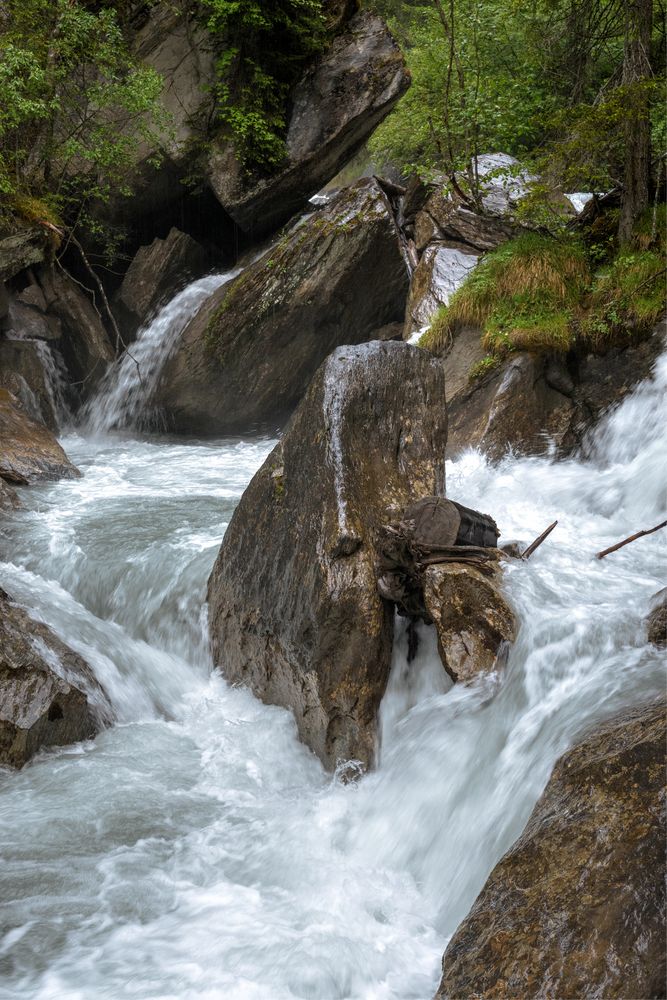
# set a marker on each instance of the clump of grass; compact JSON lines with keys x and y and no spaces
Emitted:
{"x":520,"y":296}
{"x":627,"y":298}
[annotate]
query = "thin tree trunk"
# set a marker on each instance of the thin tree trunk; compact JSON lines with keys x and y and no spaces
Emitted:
{"x":636,"y":71}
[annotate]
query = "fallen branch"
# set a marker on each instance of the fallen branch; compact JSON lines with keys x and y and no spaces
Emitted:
{"x":632,"y":538}
{"x":527,"y":553}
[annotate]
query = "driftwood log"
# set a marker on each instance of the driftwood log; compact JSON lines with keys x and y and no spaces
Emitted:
{"x":433,"y":530}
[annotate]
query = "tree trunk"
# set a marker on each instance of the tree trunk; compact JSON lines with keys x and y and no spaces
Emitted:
{"x":636,"y":73}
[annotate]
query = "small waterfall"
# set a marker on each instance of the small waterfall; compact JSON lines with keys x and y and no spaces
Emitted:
{"x":124,"y":393}
{"x":55,"y":382}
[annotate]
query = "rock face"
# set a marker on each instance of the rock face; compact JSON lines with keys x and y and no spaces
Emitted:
{"x":657,"y":619}
{"x":335,"y":107}
{"x":22,"y":373}
{"x":474,"y":623}
{"x":48,"y":694}
{"x":246,"y":358}
{"x":156,"y":273}
{"x":84,"y":343}
{"x":441,"y":270}
{"x":21,"y":249}
{"x":576,"y":908}
{"x":293,"y":602}
{"x":29,"y":453}
{"x":518,"y":406}
{"x":446,"y":219}
{"x":532,"y":403}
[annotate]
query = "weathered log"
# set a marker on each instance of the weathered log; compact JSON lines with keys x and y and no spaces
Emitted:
{"x":631,"y":538}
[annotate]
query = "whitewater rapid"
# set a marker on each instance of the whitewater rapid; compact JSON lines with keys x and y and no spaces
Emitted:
{"x":196,"y":849}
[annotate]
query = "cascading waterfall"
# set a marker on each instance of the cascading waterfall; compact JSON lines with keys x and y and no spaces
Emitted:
{"x":125,"y":392}
{"x":55,"y":382}
{"x":196,"y":849}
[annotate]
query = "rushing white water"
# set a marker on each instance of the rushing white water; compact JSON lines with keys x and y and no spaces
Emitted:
{"x":197,"y":849}
{"x":55,"y":382}
{"x":125,"y":392}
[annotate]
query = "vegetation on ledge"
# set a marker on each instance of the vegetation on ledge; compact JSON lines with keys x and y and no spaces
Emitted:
{"x":540,"y":293}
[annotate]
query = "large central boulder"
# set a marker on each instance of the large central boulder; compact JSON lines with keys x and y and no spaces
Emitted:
{"x":246,"y":358}
{"x":294,"y":607}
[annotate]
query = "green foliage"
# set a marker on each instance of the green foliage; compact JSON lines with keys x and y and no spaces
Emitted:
{"x":543,"y":80}
{"x":263,"y":48}
{"x":538,"y":293}
{"x":73,"y":103}
{"x":518,"y":296}
{"x":482,"y":100}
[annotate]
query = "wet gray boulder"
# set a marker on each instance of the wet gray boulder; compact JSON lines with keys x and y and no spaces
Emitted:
{"x":246,"y":358}
{"x":441,"y":270}
{"x":335,"y":107}
{"x":445,"y":218}
{"x":576,"y":908}
{"x":85,"y":344}
{"x":535,"y":403}
{"x":21,"y":249}
{"x":22,"y":373}
{"x":48,"y":693}
{"x":156,"y":274}
{"x":294,"y":609}
{"x":474,"y":623}
{"x":656,"y":621}
{"x":29,"y":453}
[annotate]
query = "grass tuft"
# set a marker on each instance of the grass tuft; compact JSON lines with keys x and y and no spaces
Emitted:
{"x":519,"y":296}
{"x":536,"y":293}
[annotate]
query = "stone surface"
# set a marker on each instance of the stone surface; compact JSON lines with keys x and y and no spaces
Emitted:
{"x":474,"y":623}
{"x":656,"y":621}
{"x":156,"y":273}
{"x":8,"y":498}
{"x":514,"y":408}
{"x":293,"y":606}
{"x":533,"y":403}
{"x":29,"y":321}
{"x":444,"y":218}
{"x":29,"y":453}
{"x":441,"y":270}
{"x":576,"y":908}
{"x":48,"y":693}
{"x":246,"y":358}
{"x":21,"y":249}
{"x":334,"y":108}
{"x":84,"y":343}
{"x":22,"y":373}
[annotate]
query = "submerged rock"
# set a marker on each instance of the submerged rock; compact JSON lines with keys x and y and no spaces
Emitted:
{"x":293,"y":604}
{"x":29,"y":453}
{"x":474,"y":623}
{"x":8,"y":498}
{"x":48,"y":693}
{"x":335,"y":107}
{"x":576,"y":908}
{"x":248,"y":355}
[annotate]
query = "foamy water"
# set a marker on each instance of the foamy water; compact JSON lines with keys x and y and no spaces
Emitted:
{"x":196,"y":849}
